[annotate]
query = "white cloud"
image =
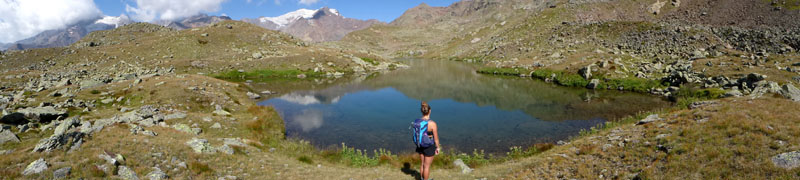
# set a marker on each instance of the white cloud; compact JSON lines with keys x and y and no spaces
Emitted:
{"x":152,"y":10}
{"x":308,"y":2}
{"x":20,"y":19}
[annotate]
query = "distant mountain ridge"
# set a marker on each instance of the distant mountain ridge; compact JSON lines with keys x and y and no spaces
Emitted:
{"x":68,"y":35}
{"x":324,"y":24}
{"x":201,"y":20}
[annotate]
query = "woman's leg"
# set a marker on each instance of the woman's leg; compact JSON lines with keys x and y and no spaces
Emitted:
{"x":421,"y":165}
{"x":427,"y":172}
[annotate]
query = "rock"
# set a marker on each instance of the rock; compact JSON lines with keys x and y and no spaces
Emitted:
{"x":127,"y":173}
{"x":229,"y":26}
{"x":555,"y":55}
{"x":225,"y":149}
{"x":586,"y":72}
{"x":8,"y":136}
{"x":107,"y":100}
{"x":649,"y":119}
{"x":42,"y":114}
{"x":475,"y":40}
{"x":86,"y":84}
{"x":266,"y":92}
{"x":66,"y":125}
{"x":204,"y":34}
{"x":655,"y":8}
{"x":157,"y":175}
{"x":200,"y":146}
{"x":187,"y":129}
{"x":733,"y":93}
{"x":257,"y":55}
{"x":109,"y":159}
{"x":62,"y":173}
{"x":35,"y":167}
{"x":791,"y":92}
{"x":58,"y":140}
{"x":221,"y":112}
{"x":177,"y":115}
{"x":699,"y":104}
{"x":253,"y":95}
{"x":593,"y":84}
{"x":789,"y":160}
{"x":464,"y":168}
{"x":215,"y":126}
{"x":676,"y":3}
{"x":14,"y":118}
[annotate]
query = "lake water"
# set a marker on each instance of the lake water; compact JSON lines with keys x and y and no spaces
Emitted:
{"x":473,"y":111}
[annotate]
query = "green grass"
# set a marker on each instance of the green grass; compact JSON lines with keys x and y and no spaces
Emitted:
{"x":305,"y":159}
{"x":689,"y":94}
{"x":505,"y":71}
{"x":633,"y":84}
{"x":265,"y":74}
{"x":561,"y":77}
{"x":198,"y":168}
{"x":370,"y":60}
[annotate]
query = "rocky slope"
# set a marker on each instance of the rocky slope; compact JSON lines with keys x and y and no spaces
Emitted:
{"x":319,"y":25}
{"x":196,"y":21}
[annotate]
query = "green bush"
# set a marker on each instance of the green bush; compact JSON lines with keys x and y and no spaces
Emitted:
{"x":356,"y":158}
{"x":305,"y":159}
{"x":475,"y":159}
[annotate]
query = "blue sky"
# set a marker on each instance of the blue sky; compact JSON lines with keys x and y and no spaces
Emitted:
{"x":383,"y":10}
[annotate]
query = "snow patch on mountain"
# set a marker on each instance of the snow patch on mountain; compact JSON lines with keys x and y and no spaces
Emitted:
{"x":290,"y":17}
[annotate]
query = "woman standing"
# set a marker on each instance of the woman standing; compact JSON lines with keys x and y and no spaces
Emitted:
{"x":426,"y":153}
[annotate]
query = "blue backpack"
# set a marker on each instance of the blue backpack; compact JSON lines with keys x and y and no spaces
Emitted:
{"x":420,"y":133}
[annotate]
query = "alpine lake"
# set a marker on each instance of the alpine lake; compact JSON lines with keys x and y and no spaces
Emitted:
{"x":473,"y":111}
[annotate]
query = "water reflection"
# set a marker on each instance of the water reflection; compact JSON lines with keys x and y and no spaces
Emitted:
{"x":474,"y":111}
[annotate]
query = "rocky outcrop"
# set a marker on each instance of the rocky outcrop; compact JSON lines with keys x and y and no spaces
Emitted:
{"x":200,"y":146}
{"x":127,"y":173}
{"x":789,"y":160}
{"x":464,"y":168}
{"x":35,"y":167}
{"x":8,"y":136}
{"x":791,"y":92}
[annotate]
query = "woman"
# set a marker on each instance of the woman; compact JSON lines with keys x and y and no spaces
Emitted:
{"x":426,"y":153}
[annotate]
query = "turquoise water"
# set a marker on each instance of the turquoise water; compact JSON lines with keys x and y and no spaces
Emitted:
{"x":474,"y":111}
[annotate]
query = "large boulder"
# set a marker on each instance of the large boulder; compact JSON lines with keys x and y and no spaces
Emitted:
{"x":42,"y":114}
{"x":8,"y":136}
{"x":35,"y":167}
{"x":200,"y":146}
{"x":14,"y":118}
{"x":464,"y":168}
{"x":127,"y":173}
{"x":791,"y":92}
{"x":787,"y":160}
{"x":157,"y":175}
{"x":66,"y":125}
{"x":62,"y":173}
